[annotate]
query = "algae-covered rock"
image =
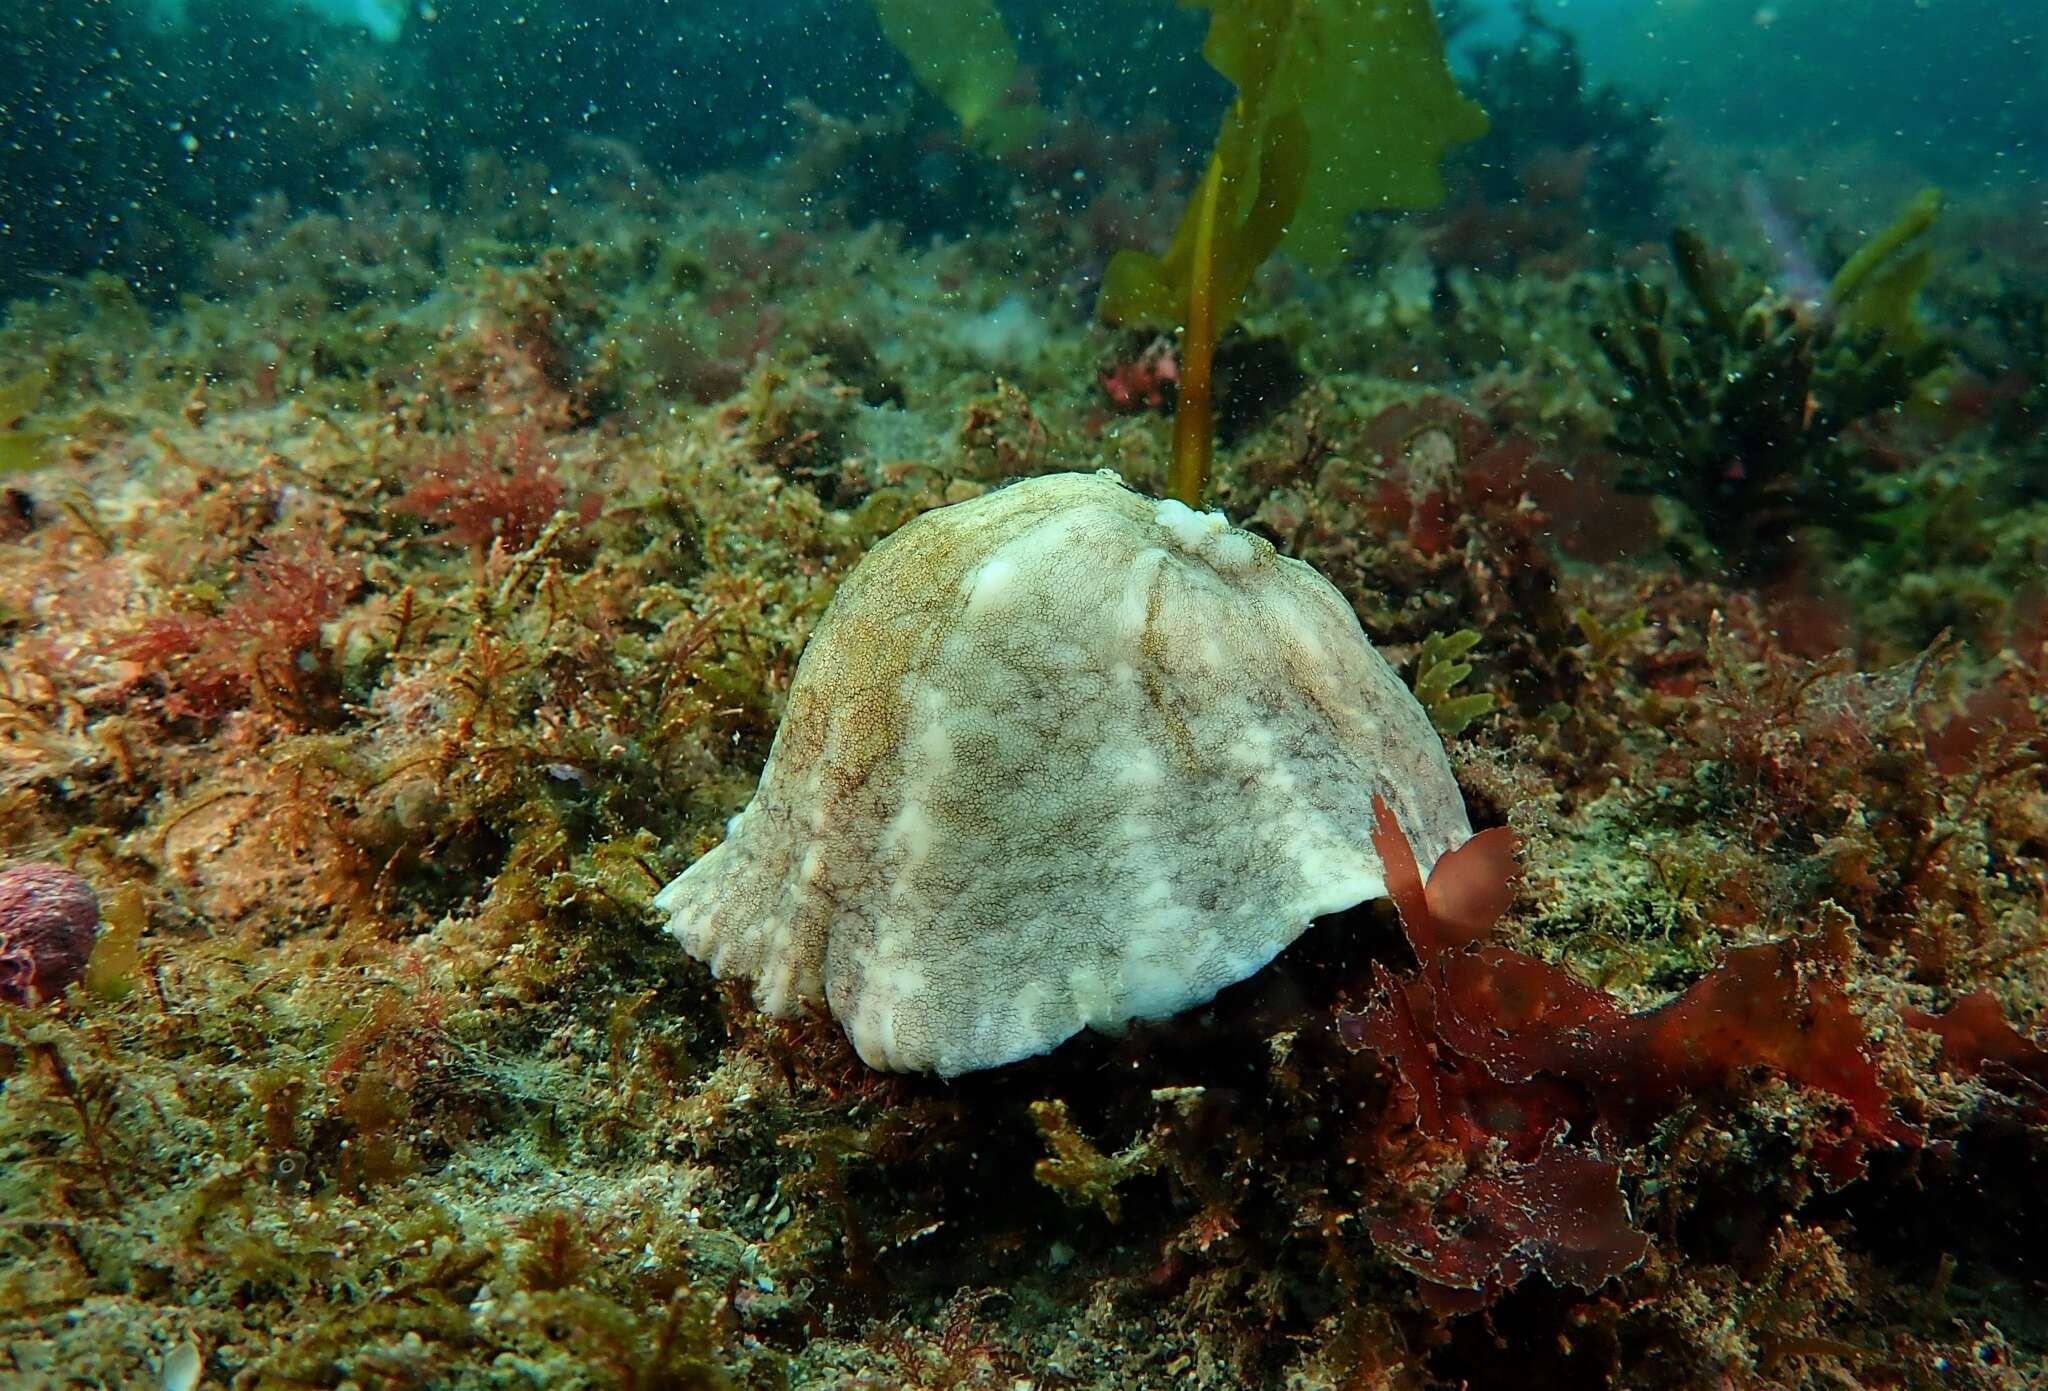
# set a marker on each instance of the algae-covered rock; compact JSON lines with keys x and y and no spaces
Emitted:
{"x":1060,"y":757}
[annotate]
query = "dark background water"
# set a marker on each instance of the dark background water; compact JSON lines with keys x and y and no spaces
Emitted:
{"x":134,"y":133}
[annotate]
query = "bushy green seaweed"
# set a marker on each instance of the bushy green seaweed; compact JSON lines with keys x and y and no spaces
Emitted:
{"x":1737,"y":409}
{"x":22,"y":447}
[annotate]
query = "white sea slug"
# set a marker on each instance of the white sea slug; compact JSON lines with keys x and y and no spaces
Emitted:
{"x":1060,"y":757}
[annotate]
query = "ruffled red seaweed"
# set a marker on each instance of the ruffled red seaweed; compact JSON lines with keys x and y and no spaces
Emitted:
{"x":1978,"y":1041}
{"x":1562,"y":1213}
{"x":1538,"y":1078}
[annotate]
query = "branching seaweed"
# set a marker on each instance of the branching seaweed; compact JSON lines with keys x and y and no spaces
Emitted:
{"x":1737,"y":409}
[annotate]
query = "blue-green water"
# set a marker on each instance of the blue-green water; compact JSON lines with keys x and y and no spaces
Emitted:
{"x":134,"y":129}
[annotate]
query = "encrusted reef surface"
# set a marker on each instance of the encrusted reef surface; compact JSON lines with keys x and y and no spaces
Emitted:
{"x":380,"y":630}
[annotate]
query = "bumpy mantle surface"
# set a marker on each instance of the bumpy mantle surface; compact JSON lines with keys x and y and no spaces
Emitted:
{"x":1060,"y":757}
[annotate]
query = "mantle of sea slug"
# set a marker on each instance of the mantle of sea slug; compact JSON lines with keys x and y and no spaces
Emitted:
{"x":1056,"y":758}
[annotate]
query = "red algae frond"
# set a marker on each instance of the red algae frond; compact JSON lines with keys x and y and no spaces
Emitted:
{"x":499,"y":491}
{"x":214,"y":663}
{"x":1978,"y":1041}
{"x":1498,"y":1048}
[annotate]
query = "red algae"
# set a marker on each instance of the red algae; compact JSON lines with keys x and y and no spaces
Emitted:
{"x":213,"y":663}
{"x":1147,"y":381}
{"x":1977,"y":1040}
{"x":1561,"y":1214}
{"x":1497,"y":1048}
{"x":499,"y":491}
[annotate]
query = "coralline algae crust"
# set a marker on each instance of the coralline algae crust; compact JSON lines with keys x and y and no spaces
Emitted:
{"x":1057,"y":758}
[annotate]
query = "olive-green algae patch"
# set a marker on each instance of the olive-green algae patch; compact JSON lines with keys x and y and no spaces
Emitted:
{"x":22,"y":445}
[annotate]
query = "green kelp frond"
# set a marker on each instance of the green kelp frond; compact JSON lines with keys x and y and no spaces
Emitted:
{"x":1877,"y":290}
{"x":1919,"y":215}
{"x":1343,"y":106}
{"x":1249,"y":193}
{"x":1369,"y":80}
{"x":962,"y":53}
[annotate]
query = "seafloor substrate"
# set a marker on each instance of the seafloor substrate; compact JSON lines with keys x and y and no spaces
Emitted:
{"x":384,"y":627}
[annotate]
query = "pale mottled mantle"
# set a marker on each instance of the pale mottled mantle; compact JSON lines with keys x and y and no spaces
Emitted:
{"x":1060,"y":757}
